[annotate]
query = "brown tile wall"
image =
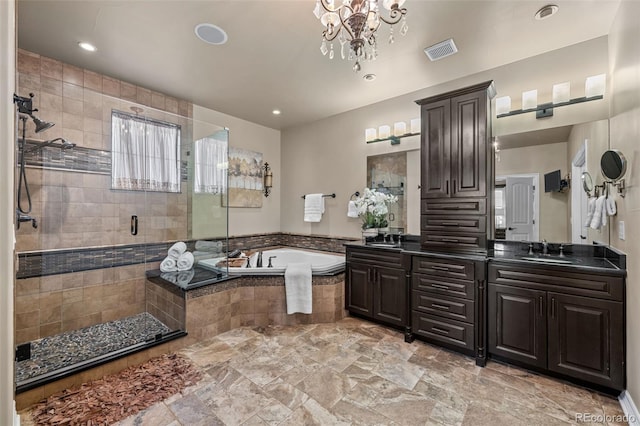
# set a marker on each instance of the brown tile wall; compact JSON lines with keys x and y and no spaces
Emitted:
{"x":260,"y":304}
{"x":79,"y":209}
{"x":166,"y":303}
{"x":45,"y":306}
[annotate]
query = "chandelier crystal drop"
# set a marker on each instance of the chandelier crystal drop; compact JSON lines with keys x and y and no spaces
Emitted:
{"x":356,"y":22}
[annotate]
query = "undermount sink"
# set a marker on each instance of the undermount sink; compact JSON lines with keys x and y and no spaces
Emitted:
{"x":383,"y":244}
{"x":548,"y":260}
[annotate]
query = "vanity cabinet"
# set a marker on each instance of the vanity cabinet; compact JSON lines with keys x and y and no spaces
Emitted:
{"x":376,"y":285}
{"x":456,"y":169}
{"x":569,"y":323}
{"x":447,"y":303}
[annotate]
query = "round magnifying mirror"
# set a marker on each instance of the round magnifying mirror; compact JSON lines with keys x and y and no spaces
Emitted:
{"x":613,"y":165}
{"x":587,"y":182}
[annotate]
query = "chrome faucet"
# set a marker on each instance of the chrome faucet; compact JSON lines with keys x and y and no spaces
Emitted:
{"x":259,"y":260}
{"x":545,"y":248}
{"x":270,"y":265}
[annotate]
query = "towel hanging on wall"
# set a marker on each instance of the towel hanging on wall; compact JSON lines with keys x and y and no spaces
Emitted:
{"x":313,"y":207}
{"x":352,"y":210}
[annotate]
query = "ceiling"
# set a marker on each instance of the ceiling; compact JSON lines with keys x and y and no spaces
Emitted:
{"x":272,"y":58}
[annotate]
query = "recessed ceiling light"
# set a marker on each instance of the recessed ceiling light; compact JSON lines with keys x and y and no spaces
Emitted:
{"x":369,"y":77}
{"x":276,"y":112}
{"x":546,"y":11}
{"x":87,"y":46}
{"x":211,"y":34}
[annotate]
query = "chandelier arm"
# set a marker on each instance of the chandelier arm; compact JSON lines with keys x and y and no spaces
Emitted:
{"x":331,"y":35}
{"x":394,"y":16}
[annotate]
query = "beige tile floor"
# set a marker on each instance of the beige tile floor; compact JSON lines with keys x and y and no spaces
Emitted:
{"x":356,"y":372}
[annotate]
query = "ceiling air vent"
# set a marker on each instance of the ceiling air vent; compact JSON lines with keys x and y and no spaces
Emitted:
{"x":441,"y":50}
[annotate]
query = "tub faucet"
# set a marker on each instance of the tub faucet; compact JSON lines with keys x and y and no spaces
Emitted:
{"x":248,"y":265}
{"x":270,"y":265}
{"x":259,"y":260}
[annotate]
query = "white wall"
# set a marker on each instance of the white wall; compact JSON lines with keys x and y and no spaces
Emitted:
{"x":330,"y":155}
{"x":248,"y":135}
{"x":7,"y":155}
{"x":624,"y":135}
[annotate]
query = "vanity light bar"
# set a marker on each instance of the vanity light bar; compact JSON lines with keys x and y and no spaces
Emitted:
{"x":385,"y":133}
{"x":594,"y":90}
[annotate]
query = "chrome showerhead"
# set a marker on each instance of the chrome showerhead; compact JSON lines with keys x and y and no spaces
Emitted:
{"x":41,"y":125}
{"x":67,"y":145}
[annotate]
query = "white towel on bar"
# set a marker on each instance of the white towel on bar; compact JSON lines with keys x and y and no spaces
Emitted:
{"x":177,"y":249}
{"x":610,"y":204}
{"x":591,"y":209}
{"x":313,"y":207}
{"x":185,"y":261}
{"x":297,"y":284}
{"x":600,"y":213}
{"x":352,"y":210}
{"x":169,"y":264}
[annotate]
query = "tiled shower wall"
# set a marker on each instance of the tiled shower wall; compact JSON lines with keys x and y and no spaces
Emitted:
{"x":77,"y":209}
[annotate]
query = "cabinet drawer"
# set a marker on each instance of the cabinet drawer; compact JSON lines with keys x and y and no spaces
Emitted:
{"x":377,"y":257}
{"x":447,"y":286}
{"x":540,"y":278}
{"x":443,"y":267}
{"x":452,"y":240}
{"x":448,"y":307}
{"x":453,"y":332}
{"x":447,"y":206}
{"x":429,"y":222}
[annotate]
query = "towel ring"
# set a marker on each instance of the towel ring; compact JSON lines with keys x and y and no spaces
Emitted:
{"x":355,"y":194}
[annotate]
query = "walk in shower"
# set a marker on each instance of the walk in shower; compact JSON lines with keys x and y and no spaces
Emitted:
{"x":83,"y":241}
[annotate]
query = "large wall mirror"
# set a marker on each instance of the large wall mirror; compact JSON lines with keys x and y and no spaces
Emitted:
{"x":538,"y":190}
{"x":398,"y":173}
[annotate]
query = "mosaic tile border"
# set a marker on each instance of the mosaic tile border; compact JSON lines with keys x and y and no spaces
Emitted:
{"x":79,"y":159}
{"x":64,"y":261}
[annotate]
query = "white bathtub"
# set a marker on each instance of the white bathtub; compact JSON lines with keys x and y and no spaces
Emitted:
{"x":321,"y":263}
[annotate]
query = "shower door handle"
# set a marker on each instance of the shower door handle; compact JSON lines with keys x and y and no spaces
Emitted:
{"x":134,"y":225}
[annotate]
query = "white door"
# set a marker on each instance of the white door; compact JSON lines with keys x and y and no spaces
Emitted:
{"x":520,"y":221}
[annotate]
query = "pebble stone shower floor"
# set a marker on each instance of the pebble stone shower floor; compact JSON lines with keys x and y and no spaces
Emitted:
{"x":66,"y":349}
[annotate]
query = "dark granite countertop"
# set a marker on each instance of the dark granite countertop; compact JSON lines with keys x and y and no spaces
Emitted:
{"x":578,"y":257}
{"x":188,"y":280}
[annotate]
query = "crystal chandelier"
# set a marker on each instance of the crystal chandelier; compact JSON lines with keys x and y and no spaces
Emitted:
{"x":356,"y":22}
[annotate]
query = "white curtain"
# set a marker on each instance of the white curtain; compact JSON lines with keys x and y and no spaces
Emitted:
{"x":145,"y":154}
{"x":210,"y":169}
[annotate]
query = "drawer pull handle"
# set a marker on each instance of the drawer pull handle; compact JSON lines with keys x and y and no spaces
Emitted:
{"x":437,"y":305}
{"x":440,"y":268}
{"x":451,"y":207}
{"x":446,"y":223}
{"x":440,"y":286}
{"x":541,"y":306}
{"x":449,"y":240}
{"x":440,"y":330}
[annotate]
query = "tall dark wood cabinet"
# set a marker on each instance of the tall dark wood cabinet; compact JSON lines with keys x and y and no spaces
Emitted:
{"x":569,"y":323}
{"x":457,"y":170}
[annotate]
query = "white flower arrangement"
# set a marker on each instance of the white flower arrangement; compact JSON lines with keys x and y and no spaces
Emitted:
{"x":373,"y":208}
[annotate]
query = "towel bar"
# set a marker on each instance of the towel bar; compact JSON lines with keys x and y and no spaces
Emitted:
{"x":324,"y":195}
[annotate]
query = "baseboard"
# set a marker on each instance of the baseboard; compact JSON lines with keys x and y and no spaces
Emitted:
{"x":16,"y":417}
{"x":630,"y":409}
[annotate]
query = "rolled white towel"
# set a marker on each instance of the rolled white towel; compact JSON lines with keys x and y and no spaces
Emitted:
{"x":185,"y":261}
{"x":177,"y":249}
{"x":172,"y":277}
{"x":169,"y":264}
{"x":185,"y":277}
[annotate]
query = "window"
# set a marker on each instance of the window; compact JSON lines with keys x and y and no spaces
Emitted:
{"x":145,"y":153}
{"x":210,"y":164}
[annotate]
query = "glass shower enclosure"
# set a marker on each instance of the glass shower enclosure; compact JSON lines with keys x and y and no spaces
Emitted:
{"x":81,"y":293}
